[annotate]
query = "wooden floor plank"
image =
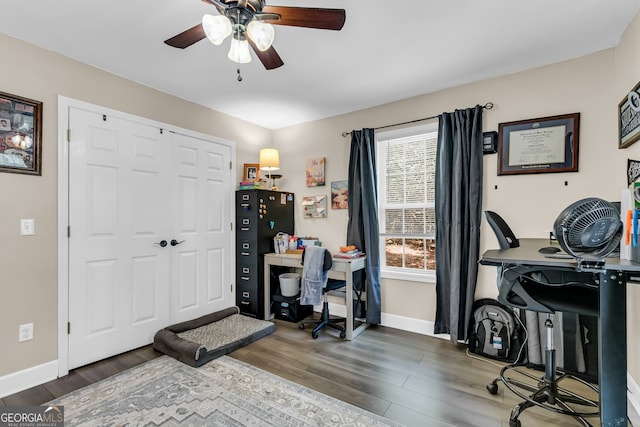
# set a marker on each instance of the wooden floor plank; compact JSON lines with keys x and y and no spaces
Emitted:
{"x":410,"y":378}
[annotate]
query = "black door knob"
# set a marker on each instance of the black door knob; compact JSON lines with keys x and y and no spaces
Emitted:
{"x":174,"y":242}
{"x":162,"y":243}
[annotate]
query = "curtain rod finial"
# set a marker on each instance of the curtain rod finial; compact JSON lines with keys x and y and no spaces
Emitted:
{"x":488,"y":106}
{"x":345,"y":134}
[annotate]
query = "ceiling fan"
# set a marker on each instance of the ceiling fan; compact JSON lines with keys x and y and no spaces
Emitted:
{"x":249,"y":23}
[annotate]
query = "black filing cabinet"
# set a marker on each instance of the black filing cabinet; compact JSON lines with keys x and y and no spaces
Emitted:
{"x":260,"y":215}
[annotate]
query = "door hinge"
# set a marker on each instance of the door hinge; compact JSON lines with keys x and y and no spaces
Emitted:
{"x":68,"y":135}
{"x":68,"y":328}
{"x":68,"y":231}
{"x":230,"y":165}
{"x":231,"y":287}
{"x":231,"y":226}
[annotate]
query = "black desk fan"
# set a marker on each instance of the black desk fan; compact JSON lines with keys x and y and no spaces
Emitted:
{"x":589,"y":230}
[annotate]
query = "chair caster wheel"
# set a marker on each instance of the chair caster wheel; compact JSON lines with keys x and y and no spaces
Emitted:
{"x":493,"y":388}
{"x":343,"y":334}
{"x":301,"y":326}
{"x":515,"y":423}
{"x":314,"y":335}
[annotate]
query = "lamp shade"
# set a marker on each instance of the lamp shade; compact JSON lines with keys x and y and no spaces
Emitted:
{"x":239,"y":51}
{"x":262,"y":34}
{"x":217,"y":28}
{"x":269,"y":159}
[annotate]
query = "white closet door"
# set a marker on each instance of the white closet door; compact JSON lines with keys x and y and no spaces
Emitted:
{"x":119,"y":208}
{"x":202,"y":265}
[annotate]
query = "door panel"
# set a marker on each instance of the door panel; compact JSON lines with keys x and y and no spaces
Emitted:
{"x":118,"y":276}
{"x":204,"y":215}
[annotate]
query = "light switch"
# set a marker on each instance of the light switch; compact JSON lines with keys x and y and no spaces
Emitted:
{"x":27,"y":227}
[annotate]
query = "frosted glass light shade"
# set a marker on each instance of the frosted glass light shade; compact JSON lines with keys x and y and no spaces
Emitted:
{"x":217,"y":28}
{"x":262,"y":34}
{"x":269,"y":159}
{"x":239,"y":51}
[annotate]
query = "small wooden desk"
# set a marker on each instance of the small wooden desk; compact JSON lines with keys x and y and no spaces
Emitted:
{"x":342,"y":270}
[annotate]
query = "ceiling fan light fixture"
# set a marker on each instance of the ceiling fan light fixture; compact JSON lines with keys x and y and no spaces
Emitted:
{"x":262,"y":34}
{"x":217,"y":28}
{"x":239,"y":51}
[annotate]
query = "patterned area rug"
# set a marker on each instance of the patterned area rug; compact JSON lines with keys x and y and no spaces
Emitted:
{"x":224,"y":392}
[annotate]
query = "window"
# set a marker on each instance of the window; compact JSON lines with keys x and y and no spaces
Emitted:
{"x":406,"y":198}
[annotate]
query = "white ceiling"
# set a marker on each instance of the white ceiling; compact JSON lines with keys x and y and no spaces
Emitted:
{"x":432,"y":45}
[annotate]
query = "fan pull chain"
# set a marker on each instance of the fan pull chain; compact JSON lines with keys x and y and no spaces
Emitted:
{"x":238,"y":29}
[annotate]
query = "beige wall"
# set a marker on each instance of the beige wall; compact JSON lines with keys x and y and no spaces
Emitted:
{"x":28,"y":265}
{"x":530,"y":203}
{"x":591,"y":85}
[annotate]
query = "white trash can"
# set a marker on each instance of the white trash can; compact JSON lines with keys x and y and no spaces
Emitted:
{"x":289,"y":284}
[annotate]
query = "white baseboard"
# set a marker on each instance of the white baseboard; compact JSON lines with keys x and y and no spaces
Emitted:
{"x":31,"y":377}
{"x":409,"y":324}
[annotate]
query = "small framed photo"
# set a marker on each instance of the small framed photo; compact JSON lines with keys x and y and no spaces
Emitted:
{"x":629,"y":118}
{"x":251,"y":172}
{"x":20,"y":134}
{"x":542,"y":145}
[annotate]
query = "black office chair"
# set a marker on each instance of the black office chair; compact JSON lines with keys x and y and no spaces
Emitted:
{"x":547,"y":291}
{"x":325,"y":320}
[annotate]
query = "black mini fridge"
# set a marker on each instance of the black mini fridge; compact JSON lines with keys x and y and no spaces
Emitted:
{"x":260,"y":215}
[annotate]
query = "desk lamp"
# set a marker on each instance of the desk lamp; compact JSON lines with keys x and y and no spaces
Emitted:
{"x":270,"y":161}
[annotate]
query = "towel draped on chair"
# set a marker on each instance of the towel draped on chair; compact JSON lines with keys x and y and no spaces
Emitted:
{"x":317,"y":262}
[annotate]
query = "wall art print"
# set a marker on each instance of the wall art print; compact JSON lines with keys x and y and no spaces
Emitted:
{"x":315,"y":172}
{"x":339,"y":194}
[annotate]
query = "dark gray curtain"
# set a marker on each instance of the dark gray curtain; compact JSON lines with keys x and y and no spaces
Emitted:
{"x":362,"y":230}
{"x":458,"y":215}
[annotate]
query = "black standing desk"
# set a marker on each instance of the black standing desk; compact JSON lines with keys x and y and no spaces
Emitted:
{"x":612,"y":321}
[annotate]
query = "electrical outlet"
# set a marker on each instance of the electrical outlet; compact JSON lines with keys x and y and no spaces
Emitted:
{"x":25,"y":332}
{"x":27,"y":227}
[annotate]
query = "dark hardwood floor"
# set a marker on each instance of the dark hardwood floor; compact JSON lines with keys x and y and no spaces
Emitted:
{"x":410,"y":378}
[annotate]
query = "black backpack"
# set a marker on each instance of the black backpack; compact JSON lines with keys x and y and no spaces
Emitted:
{"x":495,"y":332}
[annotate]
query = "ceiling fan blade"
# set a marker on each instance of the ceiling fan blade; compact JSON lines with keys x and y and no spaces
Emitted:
{"x":309,"y":17}
{"x":269,"y":58}
{"x":187,"y":38}
{"x":219,"y":4}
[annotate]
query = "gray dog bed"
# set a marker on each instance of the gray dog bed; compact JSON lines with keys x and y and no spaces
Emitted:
{"x":201,"y":340}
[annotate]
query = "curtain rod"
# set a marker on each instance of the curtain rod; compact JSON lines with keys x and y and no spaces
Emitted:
{"x":487,"y":106}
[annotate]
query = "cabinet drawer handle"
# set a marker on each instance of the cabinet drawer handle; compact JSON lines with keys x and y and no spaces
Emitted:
{"x":245,"y":278}
{"x":245,"y":253}
{"x":245,"y":303}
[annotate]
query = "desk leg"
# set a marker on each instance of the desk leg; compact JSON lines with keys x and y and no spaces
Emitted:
{"x":348,"y":324}
{"x":612,"y":351}
{"x":267,"y":290}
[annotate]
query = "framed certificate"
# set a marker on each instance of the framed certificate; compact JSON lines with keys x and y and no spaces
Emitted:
{"x":542,"y":145}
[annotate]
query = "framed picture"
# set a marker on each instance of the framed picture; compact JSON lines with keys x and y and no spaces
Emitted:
{"x":339,"y":194}
{"x":251,"y":172}
{"x":314,"y":207}
{"x":20,"y":135}
{"x":543,"y":145}
{"x":315,"y":172}
{"x":629,"y":118}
